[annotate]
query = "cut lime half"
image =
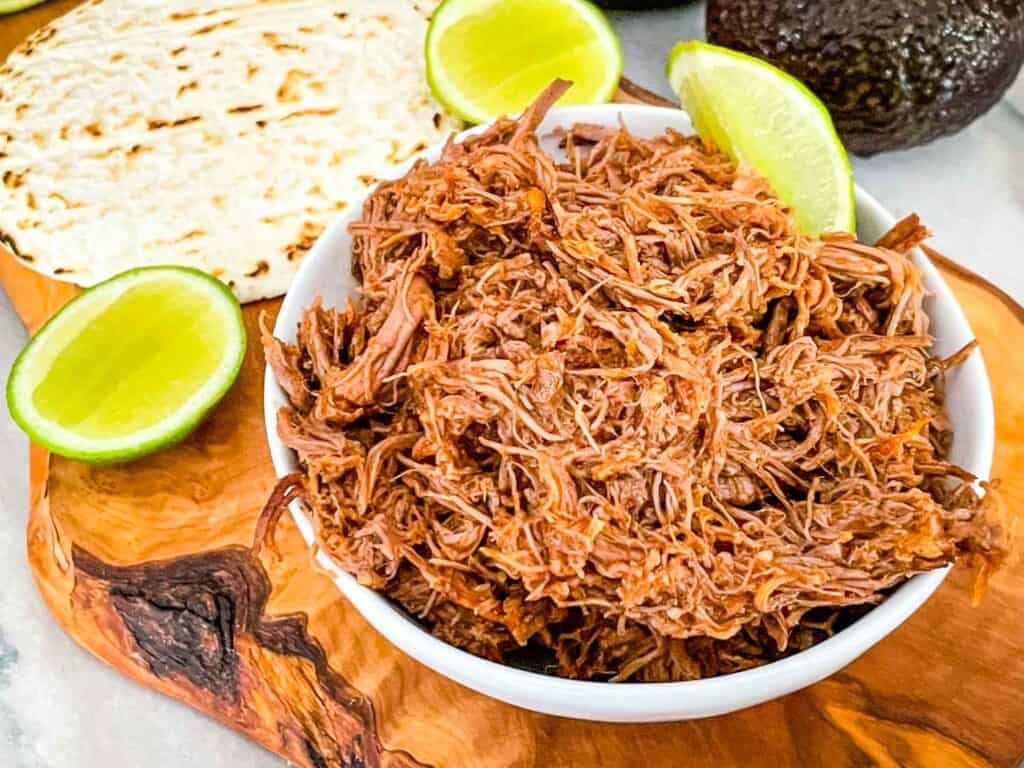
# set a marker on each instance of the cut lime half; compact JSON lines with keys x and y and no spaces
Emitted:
{"x":11,"y":6}
{"x":771,"y":122}
{"x":487,"y":58}
{"x":130,"y":365}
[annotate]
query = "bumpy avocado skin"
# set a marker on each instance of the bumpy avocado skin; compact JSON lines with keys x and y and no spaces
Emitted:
{"x":637,"y":5}
{"x":893,"y":73}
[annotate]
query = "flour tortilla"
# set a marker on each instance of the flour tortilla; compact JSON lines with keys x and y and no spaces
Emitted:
{"x":220,"y":135}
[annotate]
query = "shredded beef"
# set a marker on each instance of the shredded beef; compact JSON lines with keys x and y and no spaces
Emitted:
{"x":618,"y":407}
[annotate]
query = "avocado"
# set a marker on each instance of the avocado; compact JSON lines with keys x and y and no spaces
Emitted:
{"x":893,"y":73}
{"x":637,"y":5}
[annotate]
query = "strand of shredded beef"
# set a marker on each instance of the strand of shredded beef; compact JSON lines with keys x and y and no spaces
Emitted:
{"x":619,"y":407}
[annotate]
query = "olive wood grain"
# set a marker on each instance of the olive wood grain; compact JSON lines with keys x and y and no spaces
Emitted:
{"x":146,"y":565}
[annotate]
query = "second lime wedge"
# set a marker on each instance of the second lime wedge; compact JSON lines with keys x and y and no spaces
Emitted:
{"x":487,"y":58}
{"x":771,"y":122}
{"x":130,"y":365}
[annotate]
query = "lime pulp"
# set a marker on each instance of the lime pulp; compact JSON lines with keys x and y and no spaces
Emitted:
{"x":130,"y":365}
{"x":769,"y":121}
{"x":487,"y":58}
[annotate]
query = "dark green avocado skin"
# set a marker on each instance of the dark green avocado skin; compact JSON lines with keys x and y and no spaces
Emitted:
{"x":893,"y":73}
{"x":637,"y":5}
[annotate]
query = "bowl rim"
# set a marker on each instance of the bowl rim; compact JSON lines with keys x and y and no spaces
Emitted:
{"x":598,"y":700}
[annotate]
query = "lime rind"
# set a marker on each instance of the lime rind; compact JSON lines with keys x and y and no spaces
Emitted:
{"x":450,"y":96}
{"x":168,"y":431}
{"x":687,"y":82}
{"x":13,"y":6}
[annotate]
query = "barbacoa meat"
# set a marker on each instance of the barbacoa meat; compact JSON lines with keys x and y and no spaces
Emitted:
{"x":620,"y":408}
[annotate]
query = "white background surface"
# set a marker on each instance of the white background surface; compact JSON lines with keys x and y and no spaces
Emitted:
{"x":61,"y":708}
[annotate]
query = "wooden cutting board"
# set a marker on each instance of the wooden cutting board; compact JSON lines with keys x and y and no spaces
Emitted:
{"x":147,"y":566}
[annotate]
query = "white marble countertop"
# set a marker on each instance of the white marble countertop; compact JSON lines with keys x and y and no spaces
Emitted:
{"x":61,"y":708}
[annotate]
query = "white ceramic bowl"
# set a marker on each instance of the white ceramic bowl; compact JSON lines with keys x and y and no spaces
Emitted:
{"x":325,"y":272}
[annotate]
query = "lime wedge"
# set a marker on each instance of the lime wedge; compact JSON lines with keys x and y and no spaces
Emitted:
{"x":487,"y":58}
{"x":130,"y":365}
{"x":771,"y":122}
{"x":10,"y":6}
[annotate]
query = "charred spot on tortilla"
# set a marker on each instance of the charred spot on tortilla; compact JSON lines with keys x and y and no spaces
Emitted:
{"x":13,"y":179}
{"x":275,"y":42}
{"x":216,"y":25}
{"x":261,"y":268}
{"x":321,"y":111}
{"x":155,"y":124}
{"x":289,"y":90}
{"x":307,"y":237}
{"x":8,"y":240}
